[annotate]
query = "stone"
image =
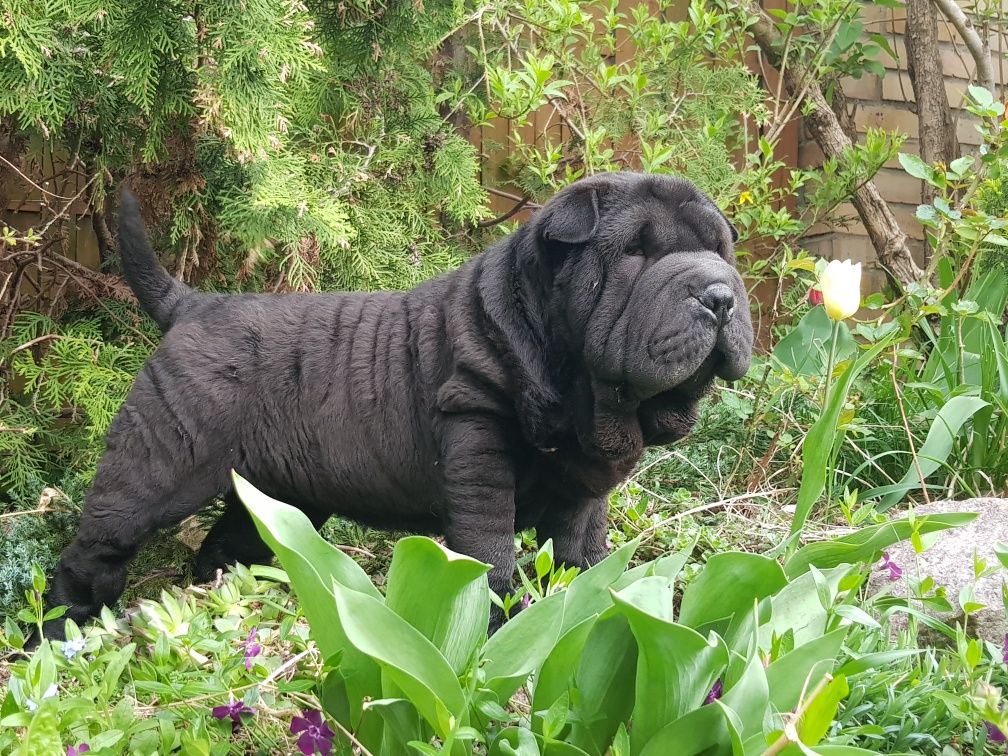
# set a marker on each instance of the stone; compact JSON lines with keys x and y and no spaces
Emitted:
{"x":950,"y":562}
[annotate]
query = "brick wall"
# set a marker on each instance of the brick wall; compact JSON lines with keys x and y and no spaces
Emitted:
{"x":887,"y":102}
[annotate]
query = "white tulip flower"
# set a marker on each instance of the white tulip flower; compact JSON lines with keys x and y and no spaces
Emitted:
{"x":840,"y":284}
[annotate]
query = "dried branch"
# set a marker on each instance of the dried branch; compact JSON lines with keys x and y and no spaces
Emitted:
{"x":977,"y":46}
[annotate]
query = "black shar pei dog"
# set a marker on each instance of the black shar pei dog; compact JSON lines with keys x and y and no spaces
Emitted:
{"x":516,"y":391}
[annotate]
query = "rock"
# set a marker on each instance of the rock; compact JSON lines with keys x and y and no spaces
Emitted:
{"x":950,"y":562}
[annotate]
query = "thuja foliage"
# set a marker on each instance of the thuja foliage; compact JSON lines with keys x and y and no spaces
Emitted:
{"x":306,"y":138}
{"x":276,"y":145}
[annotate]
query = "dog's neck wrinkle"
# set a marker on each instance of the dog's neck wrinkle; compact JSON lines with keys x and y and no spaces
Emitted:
{"x":509,"y":307}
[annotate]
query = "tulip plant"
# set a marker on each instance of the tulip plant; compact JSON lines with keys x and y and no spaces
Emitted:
{"x":839,"y":290}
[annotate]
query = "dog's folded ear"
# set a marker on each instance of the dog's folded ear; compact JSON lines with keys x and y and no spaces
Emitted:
{"x":571,"y":217}
{"x":731,"y":226}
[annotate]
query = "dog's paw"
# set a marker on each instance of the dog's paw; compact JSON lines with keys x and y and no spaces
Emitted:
{"x":497,"y":619}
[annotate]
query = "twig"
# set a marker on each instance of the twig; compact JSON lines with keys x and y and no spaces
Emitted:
{"x":790,"y":734}
{"x":355,"y":550}
{"x":40,"y":510}
{"x":715,"y":505}
{"x":518,"y":207}
{"x":906,"y":427}
{"x":515,"y":197}
{"x":155,"y":575}
{"x":352,"y":739}
{"x":25,"y":178}
{"x":33,"y":342}
{"x":977,"y":47}
{"x":210,"y":696}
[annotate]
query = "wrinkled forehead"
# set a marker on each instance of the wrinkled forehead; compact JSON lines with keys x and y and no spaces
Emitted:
{"x":679,"y":218}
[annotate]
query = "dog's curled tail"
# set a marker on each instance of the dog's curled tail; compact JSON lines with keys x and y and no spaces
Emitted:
{"x":160,"y":295}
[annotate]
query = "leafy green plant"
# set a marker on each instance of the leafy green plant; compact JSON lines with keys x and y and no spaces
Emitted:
{"x":746,"y":663}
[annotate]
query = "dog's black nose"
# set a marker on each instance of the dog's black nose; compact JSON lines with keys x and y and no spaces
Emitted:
{"x":719,"y":299}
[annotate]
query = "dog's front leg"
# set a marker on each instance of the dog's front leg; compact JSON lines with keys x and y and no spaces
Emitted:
{"x":578,"y":530}
{"x":480,"y":507}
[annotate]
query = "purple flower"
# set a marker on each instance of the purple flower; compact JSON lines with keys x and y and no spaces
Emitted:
{"x":715,"y":693}
{"x":234,"y":710}
{"x":895,"y":571}
{"x":526,"y":602}
{"x":994,"y":734}
{"x":315,"y":733}
{"x":77,"y":750}
{"x":1004,"y":652}
{"x":252,"y":649}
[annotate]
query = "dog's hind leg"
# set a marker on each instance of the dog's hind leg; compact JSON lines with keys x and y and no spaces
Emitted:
{"x":147,"y":479}
{"x":234,"y":538}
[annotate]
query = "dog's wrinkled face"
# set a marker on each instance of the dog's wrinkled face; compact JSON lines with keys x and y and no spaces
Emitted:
{"x":644,"y":284}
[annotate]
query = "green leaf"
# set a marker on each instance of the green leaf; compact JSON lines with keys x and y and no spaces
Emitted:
{"x":701,"y":731}
{"x":515,"y":741}
{"x":1001,"y":551}
{"x":516,"y":650}
{"x":115,"y":665}
{"x":442,"y":594}
{"x":313,"y":566}
{"x":981,"y":96}
{"x":668,"y":566}
{"x":856,"y":614}
{"x":817,"y":448}
{"x":959,"y":166}
{"x":605,"y":679}
{"x":867,"y":544}
{"x":400,"y":723}
{"x":801,"y":669}
{"x":557,"y":671}
{"x":728,"y":584}
{"x":588,"y":593}
{"x":915,"y":167}
{"x":848,"y":32}
{"x":749,"y":697}
{"x":676,"y":668}
{"x":43,"y":733}
{"x":936,"y":448}
{"x":554,"y":719}
{"x":876,"y":660}
{"x":820,"y":711}
{"x":796,"y":609}
{"x":411,"y":661}
{"x":292,"y":537}
{"x":803,"y":350}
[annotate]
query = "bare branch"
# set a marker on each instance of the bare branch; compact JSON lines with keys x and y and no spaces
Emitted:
{"x":889,"y":240}
{"x":977,"y":45}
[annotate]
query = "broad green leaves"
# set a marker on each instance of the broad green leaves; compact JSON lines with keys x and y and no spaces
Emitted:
{"x":608,"y":667}
{"x":455,"y":617}
{"x":824,"y":435}
{"x":803,"y":349}
{"x":729,"y":584}
{"x":936,"y":448}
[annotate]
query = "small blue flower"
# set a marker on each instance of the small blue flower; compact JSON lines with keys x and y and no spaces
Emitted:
{"x":72,"y":647}
{"x":49,"y":693}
